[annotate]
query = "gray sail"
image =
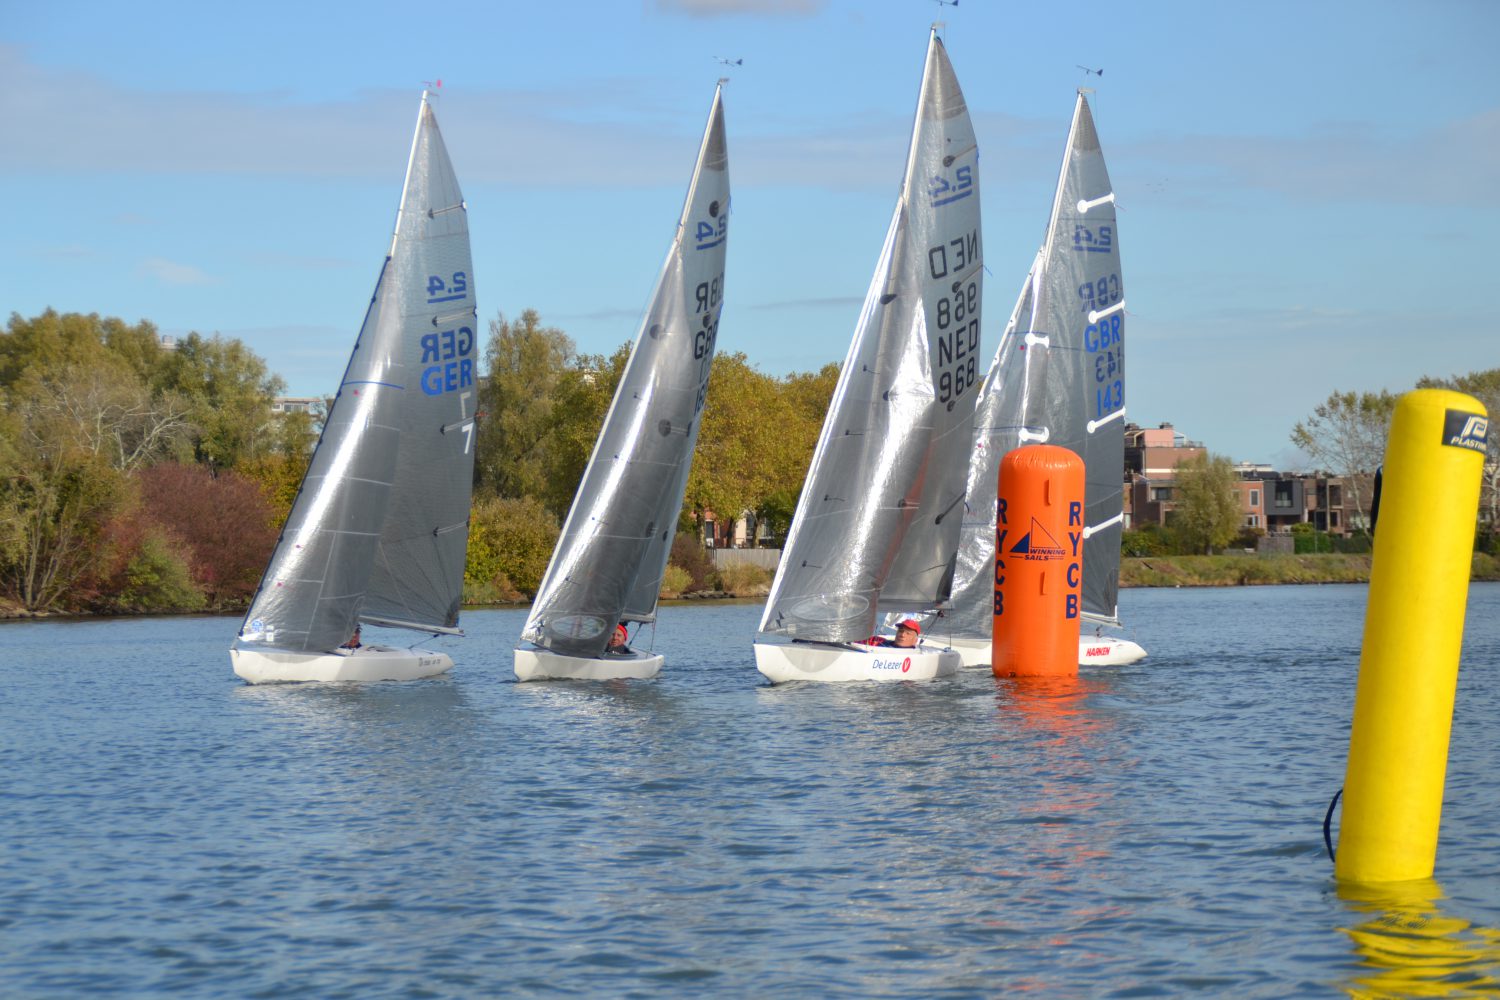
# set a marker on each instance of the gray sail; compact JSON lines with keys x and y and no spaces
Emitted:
{"x":1058,"y":378}
{"x":877,"y":524}
{"x":998,"y":428}
{"x":378,"y":530}
{"x":612,"y":553}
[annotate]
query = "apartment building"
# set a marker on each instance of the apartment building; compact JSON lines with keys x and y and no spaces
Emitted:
{"x":1270,"y":500}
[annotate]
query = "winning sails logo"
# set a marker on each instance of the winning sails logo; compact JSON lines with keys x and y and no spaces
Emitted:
{"x":1038,"y":544}
{"x":1465,"y":430}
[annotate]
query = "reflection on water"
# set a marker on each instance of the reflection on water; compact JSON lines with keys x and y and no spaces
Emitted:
{"x":1408,"y":947}
{"x":1151,"y":830}
{"x":1059,"y":824}
{"x":1055,"y":705}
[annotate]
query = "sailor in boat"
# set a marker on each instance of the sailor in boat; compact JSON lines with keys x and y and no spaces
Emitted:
{"x":908,"y":632}
{"x":617,"y":641}
{"x":353,"y":642}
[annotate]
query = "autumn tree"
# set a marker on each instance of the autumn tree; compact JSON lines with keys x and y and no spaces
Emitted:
{"x":1347,"y":435}
{"x":53,"y":340}
{"x":518,"y":405}
{"x":77,"y":421}
{"x":106,"y":410}
{"x":582,"y":399}
{"x":1485,"y":387}
{"x":510,"y":541}
{"x":224,"y":521}
{"x":1207,"y":515}
{"x":744,"y":444}
{"x":808,"y":395}
{"x":138,"y":567}
{"x":229,"y":393}
{"x":55,"y":502}
{"x":279,"y":477}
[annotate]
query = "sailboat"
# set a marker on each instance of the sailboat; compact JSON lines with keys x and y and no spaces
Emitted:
{"x":1059,"y":378}
{"x":610,"y":559}
{"x":876,"y":526}
{"x":379,"y":529}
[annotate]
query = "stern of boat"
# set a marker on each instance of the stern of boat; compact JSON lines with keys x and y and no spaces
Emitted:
{"x":534,"y":664}
{"x":368,"y":663}
{"x":807,"y":661}
{"x":1108,"y":651}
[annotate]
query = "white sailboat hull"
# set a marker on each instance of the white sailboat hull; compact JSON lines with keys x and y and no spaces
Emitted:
{"x":368,"y":663}
{"x":804,"y":661}
{"x":1093,"y":651}
{"x":1108,"y":651}
{"x":543,"y":665}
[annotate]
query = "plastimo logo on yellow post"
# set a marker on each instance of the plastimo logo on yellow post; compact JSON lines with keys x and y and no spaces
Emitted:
{"x":1466,"y":430}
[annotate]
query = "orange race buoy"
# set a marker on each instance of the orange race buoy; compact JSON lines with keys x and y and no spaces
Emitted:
{"x":1038,"y":563}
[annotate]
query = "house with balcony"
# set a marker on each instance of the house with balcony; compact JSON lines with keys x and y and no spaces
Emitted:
{"x":1269,"y":500}
{"x":1152,"y":455}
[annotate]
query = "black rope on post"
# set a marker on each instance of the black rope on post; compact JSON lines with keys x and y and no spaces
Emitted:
{"x":1328,"y":824}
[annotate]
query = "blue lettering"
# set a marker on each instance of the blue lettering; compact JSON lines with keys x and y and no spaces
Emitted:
{"x":1072,"y":606}
{"x":429,"y":348}
{"x":1103,"y":334}
{"x":438,"y":379}
{"x":1072,"y":576}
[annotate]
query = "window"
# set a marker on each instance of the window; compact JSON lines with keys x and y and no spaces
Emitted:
{"x":1252,"y":520}
{"x":1335,"y":495}
{"x":1161,"y":494}
{"x":1255,"y":498}
{"x":1333,"y":519}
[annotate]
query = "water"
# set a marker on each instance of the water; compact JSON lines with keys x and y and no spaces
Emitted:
{"x":1152,"y":830}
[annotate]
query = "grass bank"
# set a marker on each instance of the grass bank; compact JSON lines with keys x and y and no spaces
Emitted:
{"x":1242,"y":570}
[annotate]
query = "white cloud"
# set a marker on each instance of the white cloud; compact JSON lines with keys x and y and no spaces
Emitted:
{"x":1343,"y":162}
{"x":171,"y":273}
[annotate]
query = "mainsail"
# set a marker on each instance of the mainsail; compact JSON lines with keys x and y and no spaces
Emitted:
{"x":1058,"y":377}
{"x":612,"y":554}
{"x":379,"y":528}
{"x":877,"y":524}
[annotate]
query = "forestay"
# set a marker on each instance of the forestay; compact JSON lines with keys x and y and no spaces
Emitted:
{"x":379,"y":528}
{"x":1058,"y":377}
{"x":612,"y":554}
{"x":877,"y":523}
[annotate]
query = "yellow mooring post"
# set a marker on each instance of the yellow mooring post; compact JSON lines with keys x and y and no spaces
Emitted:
{"x":1414,"y":623}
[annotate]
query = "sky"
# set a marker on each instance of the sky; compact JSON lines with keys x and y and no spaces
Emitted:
{"x":1307,"y":191}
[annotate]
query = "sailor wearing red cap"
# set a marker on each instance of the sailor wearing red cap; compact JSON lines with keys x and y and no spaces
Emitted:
{"x":908,"y":632}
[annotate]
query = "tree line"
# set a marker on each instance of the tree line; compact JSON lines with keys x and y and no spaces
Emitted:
{"x":541,"y":406}
{"x":137,"y":477}
{"x":1346,"y":436}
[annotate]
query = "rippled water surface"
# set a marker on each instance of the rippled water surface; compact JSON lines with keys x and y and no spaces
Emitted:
{"x":1153,"y":830}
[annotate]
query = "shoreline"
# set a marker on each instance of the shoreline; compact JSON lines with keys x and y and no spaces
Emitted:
{"x":1235,"y":570}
